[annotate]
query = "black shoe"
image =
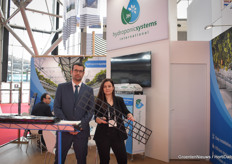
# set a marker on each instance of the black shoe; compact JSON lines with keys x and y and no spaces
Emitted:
{"x":44,"y":148}
{"x":38,"y":144}
{"x":41,"y":146}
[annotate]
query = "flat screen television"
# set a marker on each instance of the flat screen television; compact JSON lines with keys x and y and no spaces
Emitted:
{"x":132,"y":68}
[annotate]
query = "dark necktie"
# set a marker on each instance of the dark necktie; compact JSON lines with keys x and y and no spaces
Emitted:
{"x":76,"y":91}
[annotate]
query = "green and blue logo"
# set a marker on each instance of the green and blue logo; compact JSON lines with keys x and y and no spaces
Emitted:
{"x":139,"y":104}
{"x":131,"y":14}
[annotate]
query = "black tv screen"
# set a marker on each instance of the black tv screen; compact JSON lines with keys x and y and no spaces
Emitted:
{"x":133,"y":68}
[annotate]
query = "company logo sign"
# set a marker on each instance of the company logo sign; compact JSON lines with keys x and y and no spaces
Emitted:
{"x":134,"y":22}
{"x":139,"y":104}
{"x":131,"y":14}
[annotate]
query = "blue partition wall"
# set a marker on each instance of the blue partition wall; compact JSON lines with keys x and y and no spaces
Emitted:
{"x":36,"y":86}
{"x":220,"y":123}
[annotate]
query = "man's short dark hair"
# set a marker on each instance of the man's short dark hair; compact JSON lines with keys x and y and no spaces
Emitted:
{"x":79,"y":64}
{"x":43,"y":96}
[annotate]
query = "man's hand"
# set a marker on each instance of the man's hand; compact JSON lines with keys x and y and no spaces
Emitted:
{"x":74,"y":133}
{"x":101,"y":120}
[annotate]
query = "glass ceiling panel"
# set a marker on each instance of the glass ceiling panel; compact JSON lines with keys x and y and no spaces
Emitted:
{"x":182,"y":6}
{"x":39,"y":21}
{"x":42,"y":5}
{"x":36,"y":20}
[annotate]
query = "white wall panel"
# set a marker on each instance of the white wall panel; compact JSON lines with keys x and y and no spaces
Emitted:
{"x":189,"y":98}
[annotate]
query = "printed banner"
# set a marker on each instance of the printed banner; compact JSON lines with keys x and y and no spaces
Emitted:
{"x":48,"y":72}
{"x":221,"y":98}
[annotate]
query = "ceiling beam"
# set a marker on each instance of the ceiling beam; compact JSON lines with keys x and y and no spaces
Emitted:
{"x":52,"y":23}
{"x":53,"y":46}
{"x":42,"y":12}
{"x":33,"y":29}
{"x":12,"y":15}
{"x":60,"y":2}
{"x":29,"y":31}
{"x":50,"y":39}
{"x":18,"y":38}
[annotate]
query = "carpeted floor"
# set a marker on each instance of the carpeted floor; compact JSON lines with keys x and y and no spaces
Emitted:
{"x":13,"y":108}
{"x":7,"y":135}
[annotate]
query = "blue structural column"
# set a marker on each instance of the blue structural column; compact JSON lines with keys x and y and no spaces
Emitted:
{"x":59,"y":148}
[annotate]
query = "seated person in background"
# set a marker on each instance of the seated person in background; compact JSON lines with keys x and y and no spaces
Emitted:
{"x":42,"y":109}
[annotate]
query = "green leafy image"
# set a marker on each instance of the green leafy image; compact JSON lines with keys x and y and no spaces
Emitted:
{"x":222,"y":51}
{"x":125,"y":16}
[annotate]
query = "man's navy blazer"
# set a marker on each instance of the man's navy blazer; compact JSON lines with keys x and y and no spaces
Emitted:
{"x":41,"y":109}
{"x":66,"y":108}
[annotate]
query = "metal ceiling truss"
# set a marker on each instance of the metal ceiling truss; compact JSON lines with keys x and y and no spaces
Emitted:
{"x":7,"y":26}
{"x":22,"y":4}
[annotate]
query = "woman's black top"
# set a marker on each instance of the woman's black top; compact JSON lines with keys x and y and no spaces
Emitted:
{"x":102,"y":110}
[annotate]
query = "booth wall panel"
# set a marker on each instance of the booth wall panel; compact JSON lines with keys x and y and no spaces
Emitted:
{"x":157,"y":116}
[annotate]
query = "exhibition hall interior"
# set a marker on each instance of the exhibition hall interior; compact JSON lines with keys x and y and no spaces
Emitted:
{"x":170,"y":62}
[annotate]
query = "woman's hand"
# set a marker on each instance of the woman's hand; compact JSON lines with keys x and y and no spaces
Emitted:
{"x":130,"y":117}
{"x":101,"y":120}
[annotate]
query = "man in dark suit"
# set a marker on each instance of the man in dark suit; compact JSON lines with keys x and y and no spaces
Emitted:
{"x":65,"y":107}
{"x":42,"y":109}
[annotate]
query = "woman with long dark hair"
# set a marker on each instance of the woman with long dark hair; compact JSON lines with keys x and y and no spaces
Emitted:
{"x":110,"y":131}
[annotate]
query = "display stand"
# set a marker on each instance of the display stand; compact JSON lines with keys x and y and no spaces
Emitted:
{"x":135,"y":101}
{"x":62,"y":126}
{"x":136,"y":104}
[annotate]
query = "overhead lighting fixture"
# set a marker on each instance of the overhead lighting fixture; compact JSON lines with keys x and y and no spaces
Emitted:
{"x":211,"y":26}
